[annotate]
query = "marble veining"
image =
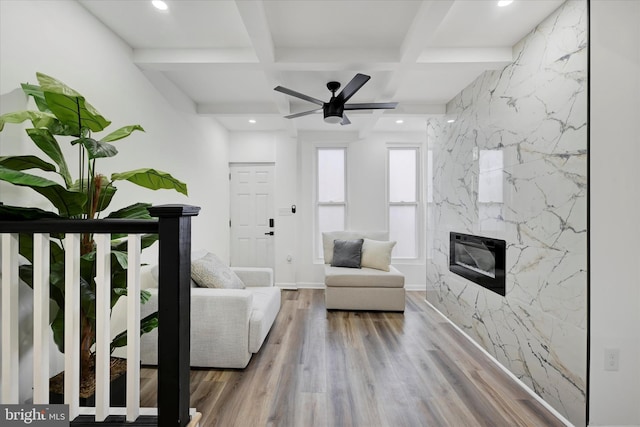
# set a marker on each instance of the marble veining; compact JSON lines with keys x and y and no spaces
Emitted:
{"x":534,"y":112}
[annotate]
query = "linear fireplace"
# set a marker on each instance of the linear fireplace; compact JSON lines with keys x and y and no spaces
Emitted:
{"x":479,"y":259}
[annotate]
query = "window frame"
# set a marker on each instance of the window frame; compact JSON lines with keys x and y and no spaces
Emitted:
{"x":318,"y":252}
{"x":418,"y":203}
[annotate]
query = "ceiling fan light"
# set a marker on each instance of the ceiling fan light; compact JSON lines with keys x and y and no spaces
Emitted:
{"x":333,"y":119}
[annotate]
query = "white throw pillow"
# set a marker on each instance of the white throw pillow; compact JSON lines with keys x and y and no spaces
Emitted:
{"x":377,"y":254}
{"x":210,"y":272}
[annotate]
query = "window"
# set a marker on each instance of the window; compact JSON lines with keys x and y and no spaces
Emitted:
{"x":403,"y":201}
{"x":331,"y":204}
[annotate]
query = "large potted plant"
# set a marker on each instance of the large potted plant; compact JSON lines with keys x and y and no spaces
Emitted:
{"x":64,"y":114}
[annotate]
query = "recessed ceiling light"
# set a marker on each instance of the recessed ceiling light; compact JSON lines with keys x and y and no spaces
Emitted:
{"x":159,"y":4}
{"x":450,"y":121}
{"x":252,"y":121}
{"x":399,"y":121}
{"x":503,"y":3}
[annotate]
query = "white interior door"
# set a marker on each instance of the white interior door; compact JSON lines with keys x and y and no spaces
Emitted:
{"x":251,"y":211}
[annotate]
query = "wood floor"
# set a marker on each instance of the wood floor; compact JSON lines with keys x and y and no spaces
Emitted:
{"x":319,"y":368}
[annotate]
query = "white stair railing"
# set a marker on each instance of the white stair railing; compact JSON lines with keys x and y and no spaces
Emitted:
{"x":10,"y":318}
{"x":173,"y":228}
{"x":41,"y":328}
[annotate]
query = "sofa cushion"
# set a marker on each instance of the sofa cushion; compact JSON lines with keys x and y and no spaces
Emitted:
{"x":364,"y":277}
{"x":347,"y":253}
{"x":377,"y":254}
{"x":210,"y":272}
{"x":329,"y":236}
{"x":264,"y":309}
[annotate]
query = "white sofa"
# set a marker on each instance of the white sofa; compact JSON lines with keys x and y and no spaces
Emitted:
{"x":227,"y":325}
{"x":361,"y":288}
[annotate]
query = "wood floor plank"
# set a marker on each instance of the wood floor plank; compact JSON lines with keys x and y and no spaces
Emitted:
{"x":320,"y":368}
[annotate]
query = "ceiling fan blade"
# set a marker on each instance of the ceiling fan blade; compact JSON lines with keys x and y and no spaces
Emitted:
{"x":371,"y":106}
{"x":304,"y":113}
{"x":345,"y":120}
{"x":352,"y":87}
{"x":298,"y":95}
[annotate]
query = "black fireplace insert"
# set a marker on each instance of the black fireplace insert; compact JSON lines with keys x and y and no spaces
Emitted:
{"x":479,"y":259}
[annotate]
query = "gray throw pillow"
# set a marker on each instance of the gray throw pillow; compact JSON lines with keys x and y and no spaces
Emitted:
{"x":210,"y":272}
{"x":347,"y":253}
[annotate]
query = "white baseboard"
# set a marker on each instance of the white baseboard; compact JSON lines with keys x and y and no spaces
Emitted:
{"x":313,"y":285}
{"x":504,"y":368}
{"x":301,"y":285}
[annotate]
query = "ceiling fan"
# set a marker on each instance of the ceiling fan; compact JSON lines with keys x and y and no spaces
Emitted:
{"x":334,"y":109}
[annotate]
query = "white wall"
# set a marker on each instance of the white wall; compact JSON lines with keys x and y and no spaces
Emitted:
{"x":90,"y":59}
{"x":63,"y":40}
{"x":294,"y":166}
{"x":615,"y":204}
{"x":366,"y":195}
{"x":280,"y":149}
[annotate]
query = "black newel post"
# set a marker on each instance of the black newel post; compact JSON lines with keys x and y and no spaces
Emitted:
{"x":174,"y":312}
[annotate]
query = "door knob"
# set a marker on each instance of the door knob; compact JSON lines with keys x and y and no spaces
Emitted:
{"x":269,"y":233}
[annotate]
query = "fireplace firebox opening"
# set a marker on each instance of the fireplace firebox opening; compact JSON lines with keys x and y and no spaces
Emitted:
{"x":479,"y":259}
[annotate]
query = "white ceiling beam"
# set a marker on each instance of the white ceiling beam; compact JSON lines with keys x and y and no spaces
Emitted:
{"x":425,"y":24}
{"x":254,"y":17}
{"x":194,"y":56}
{"x":428,"y":18}
{"x":236,"y":109}
{"x":320,"y":55}
{"x":417,"y":109}
{"x":450,"y":55}
{"x":316,"y":59}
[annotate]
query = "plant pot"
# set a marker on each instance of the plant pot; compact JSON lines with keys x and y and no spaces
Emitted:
{"x":117,"y":389}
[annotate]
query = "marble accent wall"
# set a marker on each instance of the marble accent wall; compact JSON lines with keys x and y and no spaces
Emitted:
{"x":513,"y":166}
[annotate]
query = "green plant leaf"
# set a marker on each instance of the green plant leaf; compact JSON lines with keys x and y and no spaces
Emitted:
{"x":69,"y":106}
{"x":96,"y":149}
{"x":123,"y":132}
{"x":36,"y":92}
{"x":48,"y":144}
{"x":144,"y":294}
{"x":13,"y":213}
{"x":147,"y":324}
{"x":135,"y":211}
{"x":120,"y":244}
{"x":38,"y":119}
{"x":20,"y":163}
{"x":88,"y":297}
{"x":57,"y":326}
{"x":152,"y":179}
{"x":122,"y":259}
{"x":68,"y":203}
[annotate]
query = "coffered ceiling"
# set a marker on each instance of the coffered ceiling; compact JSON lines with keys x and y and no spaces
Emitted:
{"x":226,"y":56}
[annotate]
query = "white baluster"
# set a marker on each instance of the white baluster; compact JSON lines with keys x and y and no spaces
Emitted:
{"x":10,"y":318}
{"x":41,"y":269}
{"x":133,"y":328}
{"x":72,"y":324}
{"x":103,"y":334}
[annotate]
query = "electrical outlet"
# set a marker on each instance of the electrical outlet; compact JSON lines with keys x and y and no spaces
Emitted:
{"x":611,"y":359}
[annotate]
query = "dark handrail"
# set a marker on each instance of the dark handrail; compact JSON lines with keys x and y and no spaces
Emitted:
{"x":125,"y":226}
{"x":174,"y":305}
